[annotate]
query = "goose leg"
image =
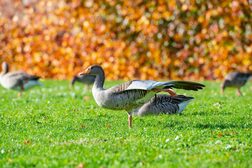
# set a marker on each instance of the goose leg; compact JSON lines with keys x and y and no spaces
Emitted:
{"x":129,"y":120}
{"x":21,"y":90}
{"x":171,"y":92}
{"x":239,"y":92}
{"x":71,"y":87}
{"x":222,"y":91}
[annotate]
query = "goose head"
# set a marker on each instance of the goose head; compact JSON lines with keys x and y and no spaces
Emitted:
{"x":5,"y":68}
{"x":97,"y":71}
{"x":94,"y":70}
{"x":225,"y":84}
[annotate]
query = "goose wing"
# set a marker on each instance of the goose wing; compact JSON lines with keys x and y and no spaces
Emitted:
{"x":120,"y":88}
{"x":150,"y":85}
{"x":20,"y":75}
{"x":14,"y":80}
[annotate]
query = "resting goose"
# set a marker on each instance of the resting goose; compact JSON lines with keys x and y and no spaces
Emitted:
{"x":235,"y":80}
{"x":163,"y":104}
{"x":133,"y":94}
{"x":85,"y":79}
{"x":17,"y":80}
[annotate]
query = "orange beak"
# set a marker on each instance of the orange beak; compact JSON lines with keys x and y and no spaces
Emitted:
{"x":86,"y":71}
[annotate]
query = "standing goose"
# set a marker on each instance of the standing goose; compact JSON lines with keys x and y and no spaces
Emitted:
{"x":235,"y":80}
{"x":133,"y":94}
{"x":85,"y":79}
{"x":17,"y":80}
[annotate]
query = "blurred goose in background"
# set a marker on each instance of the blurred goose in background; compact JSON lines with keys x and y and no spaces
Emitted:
{"x":17,"y":80}
{"x":85,"y":79}
{"x":235,"y":80}
{"x":134,"y":94}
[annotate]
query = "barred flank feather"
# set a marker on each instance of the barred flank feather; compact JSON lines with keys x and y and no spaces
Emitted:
{"x":163,"y":104}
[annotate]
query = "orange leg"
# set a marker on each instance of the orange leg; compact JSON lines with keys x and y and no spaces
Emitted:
{"x":171,"y":92}
{"x":21,"y":90}
{"x":71,"y":87}
{"x":130,"y":120}
{"x":239,"y":92}
{"x":222,"y":91}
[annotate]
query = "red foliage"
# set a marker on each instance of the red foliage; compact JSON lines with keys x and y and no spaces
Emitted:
{"x":130,"y":39}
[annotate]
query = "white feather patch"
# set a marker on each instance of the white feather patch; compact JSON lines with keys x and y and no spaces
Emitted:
{"x":146,"y":85}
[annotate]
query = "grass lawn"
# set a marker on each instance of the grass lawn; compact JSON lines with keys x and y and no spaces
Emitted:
{"x":54,"y":126}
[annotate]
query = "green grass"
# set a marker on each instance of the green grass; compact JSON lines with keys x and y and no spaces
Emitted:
{"x":55,"y":127}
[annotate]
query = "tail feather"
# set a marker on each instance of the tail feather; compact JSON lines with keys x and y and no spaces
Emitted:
{"x":180,"y":99}
{"x":183,"y":105}
{"x":34,"y":77}
{"x":184,"y":100}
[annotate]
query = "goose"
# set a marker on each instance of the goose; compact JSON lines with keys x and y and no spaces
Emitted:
{"x":85,"y":79}
{"x":131,"y":95}
{"x":17,"y":80}
{"x":163,"y":104}
{"x":235,"y":80}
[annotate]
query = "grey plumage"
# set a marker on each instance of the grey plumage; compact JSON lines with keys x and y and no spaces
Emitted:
{"x":85,"y":79}
{"x":17,"y":80}
{"x":235,"y":80}
{"x":133,"y":94}
{"x":163,"y":104}
{"x":150,"y":84}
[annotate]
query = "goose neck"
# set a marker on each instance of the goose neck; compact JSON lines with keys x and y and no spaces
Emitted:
{"x":5,"y":69}
{"x":99,"y":81}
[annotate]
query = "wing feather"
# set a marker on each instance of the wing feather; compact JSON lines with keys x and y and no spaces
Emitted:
{"x":150,"y":85}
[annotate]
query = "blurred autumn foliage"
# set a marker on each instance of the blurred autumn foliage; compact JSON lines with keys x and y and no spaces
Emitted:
{"x":191,"y":39}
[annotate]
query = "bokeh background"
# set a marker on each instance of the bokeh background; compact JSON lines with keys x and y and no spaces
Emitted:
{"x":131,"y":39}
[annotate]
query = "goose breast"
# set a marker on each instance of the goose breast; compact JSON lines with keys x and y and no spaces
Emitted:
{"x":126,"y":100}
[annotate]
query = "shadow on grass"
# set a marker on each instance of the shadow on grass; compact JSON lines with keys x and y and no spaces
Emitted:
{"x":212,"y":126}
{"x":221,"y":125}
{"x":202,"y":113}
